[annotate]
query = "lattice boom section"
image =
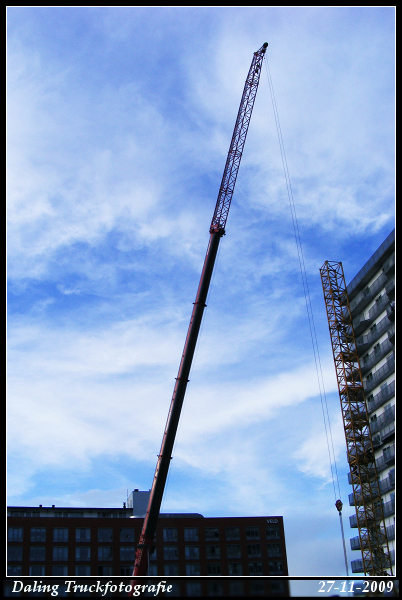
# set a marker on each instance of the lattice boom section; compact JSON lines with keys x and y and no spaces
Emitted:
{"x":365,"y":485}
{"x":226,"y":189}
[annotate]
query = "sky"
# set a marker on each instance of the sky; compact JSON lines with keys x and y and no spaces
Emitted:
{"x":119,"y":124}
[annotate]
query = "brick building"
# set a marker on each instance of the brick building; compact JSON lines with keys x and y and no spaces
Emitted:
{"x":52,"y":541}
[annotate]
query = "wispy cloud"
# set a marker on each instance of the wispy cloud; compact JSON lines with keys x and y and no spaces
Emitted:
{"x":119,"y":121}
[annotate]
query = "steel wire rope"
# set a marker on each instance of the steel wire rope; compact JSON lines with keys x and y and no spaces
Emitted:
{"x":306,"y":290}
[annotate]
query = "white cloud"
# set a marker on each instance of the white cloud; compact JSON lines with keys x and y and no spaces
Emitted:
{"x":119,"y":121}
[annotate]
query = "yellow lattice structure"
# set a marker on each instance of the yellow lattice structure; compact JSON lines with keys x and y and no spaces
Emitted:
{"x":364,"y":478}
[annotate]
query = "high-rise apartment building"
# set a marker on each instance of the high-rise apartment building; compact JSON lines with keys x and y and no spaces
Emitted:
{"x":371,"y":296}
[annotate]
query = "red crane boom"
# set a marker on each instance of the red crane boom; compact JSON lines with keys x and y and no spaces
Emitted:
{"x":217,"y":230}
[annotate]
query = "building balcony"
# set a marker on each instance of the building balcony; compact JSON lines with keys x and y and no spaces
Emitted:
{"x":355,"y":542}
{"x":365,"y":296}
{"x":383,"y":372}
{"x":389,"y":265}
{"x":388,"y":510}
{"x":360,"y":323}
{"x":375,"y":494}
{"x":388,"y":484}
{"x":374,"y":357}
{"x":388,"y":416}
{"x":357,"y":565}
{"x":365,"y":341}
{"x":390,"y":289}
{"x":387,"y":459}
{"x":379,"y":399}
{"x":391,"y":311}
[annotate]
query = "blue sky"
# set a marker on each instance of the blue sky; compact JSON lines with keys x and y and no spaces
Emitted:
{"x":119,"y":123}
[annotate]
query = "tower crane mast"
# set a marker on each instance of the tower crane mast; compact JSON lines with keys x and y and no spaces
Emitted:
{"x":359,"y":444}
{"x":217,"y":230}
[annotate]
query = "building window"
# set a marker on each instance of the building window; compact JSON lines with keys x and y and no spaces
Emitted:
{"x":272,"y":532}
{"x":212,"y":533}
{"x":253,"y":533}
{"x":170,"y":534}
{"x":152,"y":570}
{"x":191,"y":534}
{"x":105,"y":534}
{"x":105,"y":553}
{"x":103,"y":570}
{"x":274,"y":550}
{"x":60,"y":534}
{"x":171,"y":569}
{"x":37,"y":553}
{"x":234,"y":551}
{"x":60,"y":570}
{"x":83,"y":553}
{"x":193,"y":569}
{"x":128,"y":570}
{"x":235,"y":569}
{"x":82,"y":570}
{"x":14,"y":553}
{"x":37,"y":570}
{"x":38,"y":534}
{"x":213,"y":551}
{"x":82,"y":534}
{"x":214,"y":569}
{"x":192,"y":552}
{"x":170,"y":552}
{"x":275,"y":567}
{"x":15,"y":534}
{"x":127,"y":534}
{"x":152,"y":553}
{"x":255,"y":567}
{"x":127,"y":553}
{"x":13,"y":570}
{"x":60,"y":553}
{"x":253,"y":550}
{"x":232,"y":533}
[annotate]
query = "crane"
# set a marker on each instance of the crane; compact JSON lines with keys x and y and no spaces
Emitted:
{"x":217,"y":230}
{"x":364,"y":477}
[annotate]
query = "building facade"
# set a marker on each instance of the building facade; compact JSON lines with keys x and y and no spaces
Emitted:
{"x":371,"y":296}
{"x":50,"y":541}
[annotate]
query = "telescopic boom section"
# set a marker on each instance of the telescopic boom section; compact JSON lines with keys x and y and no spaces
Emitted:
{"x":217,"y":230}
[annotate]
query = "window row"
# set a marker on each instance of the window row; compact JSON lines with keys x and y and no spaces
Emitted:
{"x":254,"y":568}
{"x":82,"y":553}
{"x":191,"y":534}
{"x":61,"y":534}
{"x":127,"y":534}
{"x":214,"y":552}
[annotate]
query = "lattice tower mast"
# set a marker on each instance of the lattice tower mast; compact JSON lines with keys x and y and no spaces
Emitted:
{"x":359,"y":445}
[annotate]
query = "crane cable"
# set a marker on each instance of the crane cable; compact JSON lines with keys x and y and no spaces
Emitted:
{"x":302,"y":266}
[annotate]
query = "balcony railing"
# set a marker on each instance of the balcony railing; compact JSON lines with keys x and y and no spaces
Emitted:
{"x":388,"y":510}
{"x":364,"y":297}
{"x":382,"y":397}
{"x":357,"y":565}
{"x":388,"y":416}
{"x":365,"y":341}
{"x":375,"y":356}
{"x":379,"y":376}
{"x":355,"y":541}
